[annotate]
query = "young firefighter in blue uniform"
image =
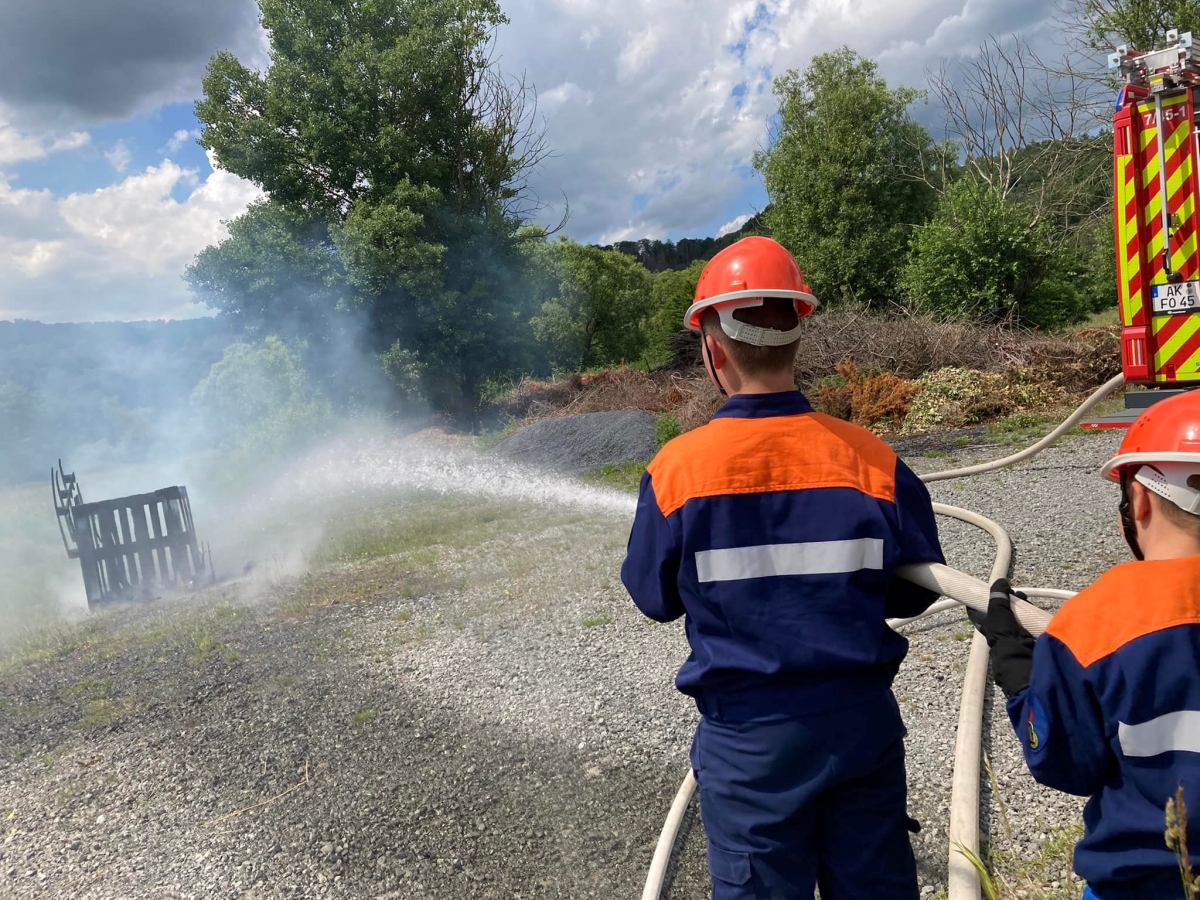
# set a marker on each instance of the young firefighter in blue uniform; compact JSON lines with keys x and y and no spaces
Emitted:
{"x":775,"y":530}
{"x":1106,"y":703}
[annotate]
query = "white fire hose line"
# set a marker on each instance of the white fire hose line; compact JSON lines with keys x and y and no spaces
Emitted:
{"x":962,"y":590}
{"x":963,"y":833}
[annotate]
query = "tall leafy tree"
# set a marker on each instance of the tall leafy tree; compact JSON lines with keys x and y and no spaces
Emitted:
{"x":846,"y":172}
{"x":594,"y":316}
{"x":393,"y":156}
{"x":672,"y":294}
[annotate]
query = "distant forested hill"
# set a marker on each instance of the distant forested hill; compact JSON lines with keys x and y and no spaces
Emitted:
{"x":658,"y":256}
{"x":139,"y":364}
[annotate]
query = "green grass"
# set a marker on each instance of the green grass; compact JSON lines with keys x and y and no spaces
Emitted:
{"x":104,"y":713}
{"x":91,"y":688}
{"x":956,"y":636}
{"x":598,"y":621}
{"x":204,"y":647}
{"x":486,"y":440}
{"x":362,"y":717}
{"x":622,"y":477}
{"x":666,"y":429}
{"x":1105,"y":318}
{"x":1020,"y":427}
{"x":1013,"y":874}
{"x":414,"y":636}
{"x":417,"y":529}
{"x":405,"y":615}
{"x":1007,"y":872}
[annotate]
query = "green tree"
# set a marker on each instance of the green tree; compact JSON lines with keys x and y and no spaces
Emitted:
{"x":251,"y":382}
{"x":393,"y":156}
{"x":986,"y":258}
{"x":594,"y":315}
{"x":672,"y":294}
{"x":1102,"y":25}
{"x":846,"y":172}
{"x":279,"y":268}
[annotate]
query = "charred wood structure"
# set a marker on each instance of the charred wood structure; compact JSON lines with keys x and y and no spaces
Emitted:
{"x":131,"y":548}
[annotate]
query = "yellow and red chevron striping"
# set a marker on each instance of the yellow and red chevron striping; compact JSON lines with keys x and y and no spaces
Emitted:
{"x":1178,"y":353}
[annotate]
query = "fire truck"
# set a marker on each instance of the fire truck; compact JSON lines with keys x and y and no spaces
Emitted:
{"x":1156,"y":188}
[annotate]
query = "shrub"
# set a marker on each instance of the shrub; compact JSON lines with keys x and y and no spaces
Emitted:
{"x":985,"y":257}
{"x":666,"y":428}
{"x":832,"y":397}
{"x":957,"y":397}
{"x":865,"y":396}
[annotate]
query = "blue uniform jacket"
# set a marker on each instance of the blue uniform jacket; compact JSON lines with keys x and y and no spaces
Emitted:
{"x":776,"y":530}
{"x":1112,"y":712}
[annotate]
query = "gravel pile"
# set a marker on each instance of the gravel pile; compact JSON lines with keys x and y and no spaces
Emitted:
{"x":576,"y":444}
{"x":491,"y":720}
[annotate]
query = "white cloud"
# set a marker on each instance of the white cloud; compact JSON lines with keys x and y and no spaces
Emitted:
{"x":731,"y":227}
{"x":30,"y":258}
{"x":119,"y":156}
{"x":145,"y":228}
{"x":637,"y":53}
{"x":117,"y":252}
{"x":657,"y":108}
{"x":18,"y":146}
{"x":567,"y":92}
{"x":179,"y":138}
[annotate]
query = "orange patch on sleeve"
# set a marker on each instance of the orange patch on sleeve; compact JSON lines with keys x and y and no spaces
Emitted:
{"x":1128,"y":602}
{"x":780,"y":453}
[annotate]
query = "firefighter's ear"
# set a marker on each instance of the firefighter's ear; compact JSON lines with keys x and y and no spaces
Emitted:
{"x":720,"y":359}
{"x":1140,"y":502}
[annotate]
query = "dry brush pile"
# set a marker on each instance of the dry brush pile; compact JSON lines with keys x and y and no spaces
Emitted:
{"x":906,"y":374}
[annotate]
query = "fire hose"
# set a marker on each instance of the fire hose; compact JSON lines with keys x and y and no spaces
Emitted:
{"x":962,"y":590}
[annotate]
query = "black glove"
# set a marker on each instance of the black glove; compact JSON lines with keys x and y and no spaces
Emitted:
{"x":1012,"y":645}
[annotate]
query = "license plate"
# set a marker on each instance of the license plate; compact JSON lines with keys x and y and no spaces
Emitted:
{"x":1173,"y":299}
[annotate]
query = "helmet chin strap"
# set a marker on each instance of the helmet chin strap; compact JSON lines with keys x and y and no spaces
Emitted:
{"x":712,"y":368}
{"x":1128,"y":526}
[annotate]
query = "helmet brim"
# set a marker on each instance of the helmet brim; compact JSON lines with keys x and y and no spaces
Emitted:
{"x":1111,"y":470}
{"x":691,"y":319}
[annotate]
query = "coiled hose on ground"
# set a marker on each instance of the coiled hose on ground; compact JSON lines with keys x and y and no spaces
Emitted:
{"x":964,"y":590}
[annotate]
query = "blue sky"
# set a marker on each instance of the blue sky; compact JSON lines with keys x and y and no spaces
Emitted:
{"x":654,"y":109}
{"x":118,"y":148}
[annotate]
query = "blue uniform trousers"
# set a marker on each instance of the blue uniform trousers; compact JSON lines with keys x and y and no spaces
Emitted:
{"x":789,"y":804}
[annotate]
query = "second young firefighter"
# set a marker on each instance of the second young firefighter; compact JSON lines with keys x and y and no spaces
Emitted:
{"x":1106,"y":703}
{"x":775,"y":531}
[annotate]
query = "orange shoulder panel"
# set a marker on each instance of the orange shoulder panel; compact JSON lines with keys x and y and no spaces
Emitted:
{"x":780,"y":453}
{"x":1128,"y":602}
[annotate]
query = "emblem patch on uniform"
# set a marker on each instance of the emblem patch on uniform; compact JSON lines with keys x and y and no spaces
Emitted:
{"x":1036,"y":726}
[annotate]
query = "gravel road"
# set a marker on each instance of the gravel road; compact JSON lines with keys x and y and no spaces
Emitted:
{"x":476,"y":712}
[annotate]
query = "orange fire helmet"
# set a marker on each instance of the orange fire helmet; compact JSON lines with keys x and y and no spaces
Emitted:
{"x":743,"y":275}
{"x":1161,"y":451}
